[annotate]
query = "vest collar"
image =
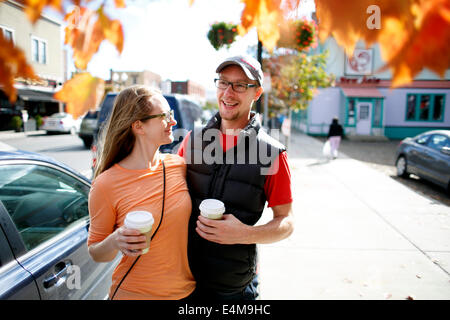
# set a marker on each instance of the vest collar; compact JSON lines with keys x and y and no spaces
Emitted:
{"x":253,"y":125}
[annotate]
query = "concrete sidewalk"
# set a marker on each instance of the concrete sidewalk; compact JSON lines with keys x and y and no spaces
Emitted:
{"x":359,"y":234}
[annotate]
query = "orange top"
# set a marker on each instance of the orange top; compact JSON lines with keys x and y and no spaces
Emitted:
{"x":163,"y":272}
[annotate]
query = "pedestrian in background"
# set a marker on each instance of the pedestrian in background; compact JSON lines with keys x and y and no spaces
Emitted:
{"x":222,"y":253}
{"x":132,"y":175}
{"x":335,"y":134}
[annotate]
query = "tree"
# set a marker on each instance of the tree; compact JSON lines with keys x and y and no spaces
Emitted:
{"x":296,"y":78}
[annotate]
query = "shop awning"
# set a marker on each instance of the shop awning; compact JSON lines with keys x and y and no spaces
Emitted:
{"x":33,"y":95}
{"x":361,"y":92}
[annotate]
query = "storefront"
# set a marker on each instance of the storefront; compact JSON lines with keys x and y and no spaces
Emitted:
{"x":34,"y":102}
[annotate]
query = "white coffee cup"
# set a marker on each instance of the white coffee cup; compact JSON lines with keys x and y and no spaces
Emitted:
{"x":212,"y":209}
{"x":142,"y":221}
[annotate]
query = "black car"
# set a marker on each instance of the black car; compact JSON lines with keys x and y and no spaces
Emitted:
{"x":87,"y":128}
{"x":44,"y":223}
{"x":427,"y":156}
{"x":187,"y":113}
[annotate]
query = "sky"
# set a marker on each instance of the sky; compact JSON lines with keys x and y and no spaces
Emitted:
{"x":168,"y":37}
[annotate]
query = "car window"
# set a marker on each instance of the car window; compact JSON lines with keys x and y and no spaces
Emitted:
{"x":422,"y":139}
{"x":106,"y":108}
{"x":41,"y":201}
{"x":91,"y":115}
{"x":438,"y":141}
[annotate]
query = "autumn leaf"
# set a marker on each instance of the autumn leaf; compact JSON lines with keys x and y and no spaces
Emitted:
{"x":412,"y":33}
{"x":81,"y":93}
{"x":112,"y":29}
{"x":86,"y":36}
{"x":428,"y":46}
{"x":266,"y":16}
{"x":33,"y":8}
{"x":120,"y":3}
{"x":13,"y":64}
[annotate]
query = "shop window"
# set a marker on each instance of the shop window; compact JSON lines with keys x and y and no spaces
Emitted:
{"x":425,"y":107}
{"x":438,"y":107}
{"x":351,"y":111}
{"x":411,"y":108}
{"x":378,"y":114}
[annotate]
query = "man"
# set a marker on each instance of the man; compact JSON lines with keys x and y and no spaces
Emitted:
{"x":234,"y":151}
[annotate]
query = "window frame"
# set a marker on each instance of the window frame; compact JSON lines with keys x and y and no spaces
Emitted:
{"x":428,"y":143}
{"x":13,"y":34}
{"x":418,"y":97}
{"x":40,"y":56}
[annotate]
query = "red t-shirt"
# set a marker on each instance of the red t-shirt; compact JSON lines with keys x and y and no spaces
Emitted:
{"x":277,"y":186}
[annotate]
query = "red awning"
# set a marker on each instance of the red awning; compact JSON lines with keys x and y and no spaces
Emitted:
{"x":362,"y":92}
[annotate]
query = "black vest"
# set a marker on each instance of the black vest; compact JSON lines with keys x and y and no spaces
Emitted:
{"x":237,"y":178}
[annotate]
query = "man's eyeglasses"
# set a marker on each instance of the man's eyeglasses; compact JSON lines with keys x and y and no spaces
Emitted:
{"x":166,"y":115}
{"x":236,"y":86}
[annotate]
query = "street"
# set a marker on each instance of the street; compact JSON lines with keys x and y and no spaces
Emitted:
{"x":66,"y":148}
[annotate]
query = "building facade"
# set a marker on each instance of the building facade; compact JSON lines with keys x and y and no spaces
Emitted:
{"x":365,"y":103}
{"x":42,"y":45}
{"x":190,"y":88}
{"x":122,"y":79}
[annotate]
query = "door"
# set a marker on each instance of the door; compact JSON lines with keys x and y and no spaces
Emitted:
{"x":49,"y":208}
{"x":364,"y":119}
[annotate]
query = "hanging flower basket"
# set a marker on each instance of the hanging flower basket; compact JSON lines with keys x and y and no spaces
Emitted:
{"x":299,"y":35}
{"x":222,"y":34}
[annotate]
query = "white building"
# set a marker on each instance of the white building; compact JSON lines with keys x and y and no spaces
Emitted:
{"x":365,"y":103}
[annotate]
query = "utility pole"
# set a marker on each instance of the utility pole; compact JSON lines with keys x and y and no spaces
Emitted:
{"x":258,"y":103}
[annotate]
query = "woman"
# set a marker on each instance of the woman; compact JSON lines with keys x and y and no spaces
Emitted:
{"x":129,"y":177}
{"x":335,"y":135}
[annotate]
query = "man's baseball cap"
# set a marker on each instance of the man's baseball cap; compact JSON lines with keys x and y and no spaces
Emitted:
{"x":251,"y":67}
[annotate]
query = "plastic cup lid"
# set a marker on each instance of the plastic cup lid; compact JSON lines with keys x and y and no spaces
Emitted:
{"x":212,"y":206}
{"x":139,"y":219}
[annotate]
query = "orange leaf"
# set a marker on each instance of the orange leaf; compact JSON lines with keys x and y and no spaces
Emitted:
{"x":120,"y":3}
{"x":266,"y":16}
{"x":84,"y":37}
{"x":87,"y":34}
{"x":81,"y":93}
{"x":112,"y":30}
{"x":412,"y":33}
{"x":428,"y":46}
{"x":33,"y":8}
{"x":13,"y":63}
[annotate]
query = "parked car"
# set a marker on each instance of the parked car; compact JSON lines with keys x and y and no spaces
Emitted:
{"x":87,"y":128}
{"x":427,"y":156}
{"x":61,"y":122}
{"x":44,"y":223}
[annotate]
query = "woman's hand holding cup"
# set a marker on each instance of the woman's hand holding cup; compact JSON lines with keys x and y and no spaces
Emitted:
{"x":131,"y":242}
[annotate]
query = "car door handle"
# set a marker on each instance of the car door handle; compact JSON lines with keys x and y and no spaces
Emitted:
{"x":60,"y":271}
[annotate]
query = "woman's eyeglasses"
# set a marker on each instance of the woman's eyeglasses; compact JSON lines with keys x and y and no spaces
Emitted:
{"x":166,"y":115}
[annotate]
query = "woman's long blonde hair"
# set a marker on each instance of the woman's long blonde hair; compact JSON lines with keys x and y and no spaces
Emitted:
{"x":117,"y":139}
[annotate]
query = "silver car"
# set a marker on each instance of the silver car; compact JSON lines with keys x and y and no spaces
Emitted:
{"x":44,"y":221}
{"x":61,"y":122}
{"x":427,"y":156}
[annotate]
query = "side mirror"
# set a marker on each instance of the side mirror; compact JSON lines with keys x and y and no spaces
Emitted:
{"x":445,"y":150}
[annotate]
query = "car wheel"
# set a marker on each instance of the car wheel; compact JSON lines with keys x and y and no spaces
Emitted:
{"x":401,"y":166}
{"x":87,"y":142}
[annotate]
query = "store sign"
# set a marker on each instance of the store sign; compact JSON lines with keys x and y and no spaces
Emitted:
{"x":361,"y":63}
